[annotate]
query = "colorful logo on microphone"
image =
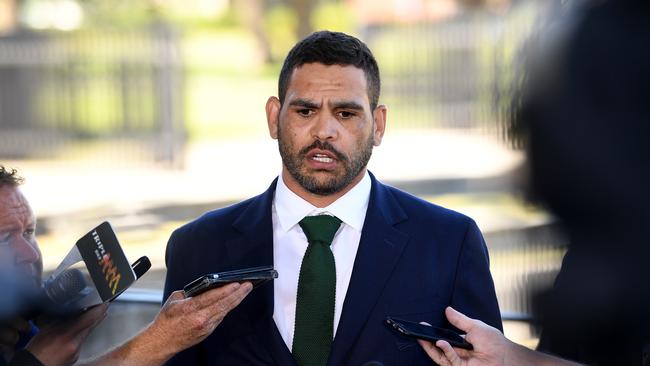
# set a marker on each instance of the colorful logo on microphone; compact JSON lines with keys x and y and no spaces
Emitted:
{"x":111,"y":274}
{"x":109,"y":269}
{"x":107,"y":265}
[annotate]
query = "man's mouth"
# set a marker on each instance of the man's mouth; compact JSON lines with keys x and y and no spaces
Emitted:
{"x":322,"y":158}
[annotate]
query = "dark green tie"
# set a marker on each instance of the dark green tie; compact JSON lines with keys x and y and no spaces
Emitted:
{"x":314,"y":328}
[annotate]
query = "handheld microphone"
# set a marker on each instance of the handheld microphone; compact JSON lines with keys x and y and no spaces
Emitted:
{"x":66,"y":287}
{"x":62,"y":291}
{"x":56,"y":298}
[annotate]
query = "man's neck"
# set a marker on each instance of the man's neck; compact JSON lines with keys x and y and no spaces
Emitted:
{"x":316,"y":199}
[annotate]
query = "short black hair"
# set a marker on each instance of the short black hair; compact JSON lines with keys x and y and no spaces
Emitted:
{"x":332,"y":48}
{"x":9,"y":177}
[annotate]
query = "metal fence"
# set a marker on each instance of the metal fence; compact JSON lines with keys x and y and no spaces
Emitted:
{"x":120,"y":91}
{"x":125,"y":88}
{"x":524,"y":261}
{"x":447,"y":74}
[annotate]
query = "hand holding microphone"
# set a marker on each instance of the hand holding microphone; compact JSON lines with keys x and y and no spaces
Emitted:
{"x":59,"y":343}
{"x":61,"y":334}
{"x":30,"y":303}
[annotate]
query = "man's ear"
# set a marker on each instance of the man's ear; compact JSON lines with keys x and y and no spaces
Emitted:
{"x":379,"y":116}
{"x":273,"y":107}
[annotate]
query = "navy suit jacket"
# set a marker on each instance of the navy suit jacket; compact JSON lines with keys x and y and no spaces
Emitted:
{"x":414,"y":259}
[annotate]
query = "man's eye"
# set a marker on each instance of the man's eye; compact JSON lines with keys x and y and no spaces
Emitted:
{"x":346,"y":114}
{"x":305,"y":112}
{"x":29,"y":233}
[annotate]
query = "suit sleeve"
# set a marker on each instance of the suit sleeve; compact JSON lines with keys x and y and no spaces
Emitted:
{"x":474,"y":293}
{"x":174,"y":259}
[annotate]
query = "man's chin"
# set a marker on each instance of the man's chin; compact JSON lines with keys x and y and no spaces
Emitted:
{"x":323,"y":189}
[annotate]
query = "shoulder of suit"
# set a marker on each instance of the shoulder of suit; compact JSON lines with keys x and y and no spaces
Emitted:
{"x":215,"y":219}
{"x":413,"y":205}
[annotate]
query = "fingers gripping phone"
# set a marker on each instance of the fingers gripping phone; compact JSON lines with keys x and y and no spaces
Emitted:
{"x":256,"y":275}
{"x":428,"y":332}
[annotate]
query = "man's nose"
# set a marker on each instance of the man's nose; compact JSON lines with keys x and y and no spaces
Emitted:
{"x":325,"y":127}
{"x":26,"y":251}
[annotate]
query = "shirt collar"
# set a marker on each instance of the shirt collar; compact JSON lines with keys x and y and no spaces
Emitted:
{"x":350,"y":208}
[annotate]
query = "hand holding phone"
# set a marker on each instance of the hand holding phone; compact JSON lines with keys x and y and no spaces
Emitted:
{"x":256,"y":275}
{"x":428,"y":332}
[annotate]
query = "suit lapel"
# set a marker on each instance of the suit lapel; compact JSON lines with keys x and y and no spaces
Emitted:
{"x":255,"y":248}
{"x":379,"y":251}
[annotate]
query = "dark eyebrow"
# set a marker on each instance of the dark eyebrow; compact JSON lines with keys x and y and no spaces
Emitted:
{"x":304,"y":103}
{"x":347,"y":105}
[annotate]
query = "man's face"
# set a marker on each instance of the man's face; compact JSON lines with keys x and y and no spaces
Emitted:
{"x":325,"y":128}
{"x":18,"y":247}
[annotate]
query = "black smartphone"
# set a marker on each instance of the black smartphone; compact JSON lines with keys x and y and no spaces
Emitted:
{"x":256,"y":275}
{"x":428,"y":332}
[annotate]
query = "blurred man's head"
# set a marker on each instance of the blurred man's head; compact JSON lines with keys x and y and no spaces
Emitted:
{"x":18,"y":247}
{"x":582,"y":108}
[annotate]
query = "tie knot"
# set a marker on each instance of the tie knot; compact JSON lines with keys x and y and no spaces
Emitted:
{"x":321,"y":228}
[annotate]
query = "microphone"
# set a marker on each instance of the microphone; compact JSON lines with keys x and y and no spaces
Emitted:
{"x":66,"y":287}
{"x":52,"y":301}
{"x":56,"y":298}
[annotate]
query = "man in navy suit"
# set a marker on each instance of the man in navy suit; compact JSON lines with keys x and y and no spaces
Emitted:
{"x":392,"y":254}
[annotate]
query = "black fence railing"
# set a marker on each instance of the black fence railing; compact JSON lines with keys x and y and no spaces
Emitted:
{"x":447,"y":74}
{"x":524,"y":261}
{"x":120,"y":89}
{"x":125,"y":88}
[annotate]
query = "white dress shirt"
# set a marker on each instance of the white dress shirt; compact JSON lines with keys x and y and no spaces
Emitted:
{"x":290,"y":244}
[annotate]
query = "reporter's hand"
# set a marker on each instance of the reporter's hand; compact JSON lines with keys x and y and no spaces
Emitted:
{"x":10,"y":333}
{"x":490,"y":346}
{"x":60,"y":343}
{"x":181,"y":323}
{"x":185,"y":322}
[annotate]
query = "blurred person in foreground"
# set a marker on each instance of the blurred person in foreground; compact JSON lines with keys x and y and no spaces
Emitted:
{"x":349,"y":250}
{"x":584,"y":113}
{"x":181,"y":322}
{"x":21,"y":342}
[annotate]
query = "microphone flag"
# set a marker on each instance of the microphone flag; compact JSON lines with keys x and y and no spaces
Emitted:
{"x":106,"y":271}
